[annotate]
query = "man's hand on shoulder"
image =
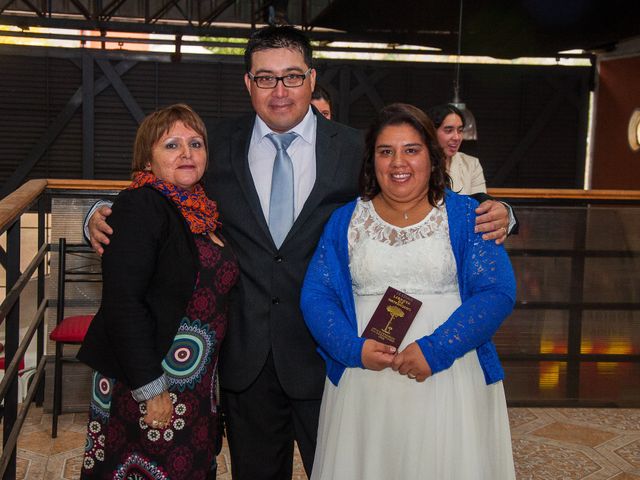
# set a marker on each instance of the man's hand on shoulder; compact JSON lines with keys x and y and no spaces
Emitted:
{"x":492,"y":220}
{"x":99,"y":229}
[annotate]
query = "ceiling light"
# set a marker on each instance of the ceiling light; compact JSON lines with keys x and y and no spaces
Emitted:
{"x":470,"y":131}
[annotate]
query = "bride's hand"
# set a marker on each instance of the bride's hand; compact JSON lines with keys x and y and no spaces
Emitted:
{"x":411,"y":362}
{"x":377,"y":356}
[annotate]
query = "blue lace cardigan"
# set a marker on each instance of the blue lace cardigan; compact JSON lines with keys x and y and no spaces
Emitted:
{"x":485,"y":279}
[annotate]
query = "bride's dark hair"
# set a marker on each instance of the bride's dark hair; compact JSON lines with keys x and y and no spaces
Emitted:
{"x":399,"y":114}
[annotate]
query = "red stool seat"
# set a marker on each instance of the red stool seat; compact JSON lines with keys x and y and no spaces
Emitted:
{"x":71,"y":329}
{"x":20,"y":367}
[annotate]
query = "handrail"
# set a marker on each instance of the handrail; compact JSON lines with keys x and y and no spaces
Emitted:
{"x":16,"y":203}
{"x":12,"y":368}
{"x":11,"y":210}
{"x":71,"y":184}
{"x":562,"y":193}
{"x":14,"y":294}
{"x":12,"y":441}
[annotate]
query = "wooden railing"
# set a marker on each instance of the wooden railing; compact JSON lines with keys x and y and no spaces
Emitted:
{"x":32,"y":195}
{"x":565,"y":194}
{"x":11,"y":209}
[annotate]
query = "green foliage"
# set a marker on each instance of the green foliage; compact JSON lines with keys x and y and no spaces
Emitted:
{"x":225,"y":49}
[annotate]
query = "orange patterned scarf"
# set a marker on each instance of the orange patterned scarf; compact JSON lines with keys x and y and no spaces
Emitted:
{"x":198,"y":210}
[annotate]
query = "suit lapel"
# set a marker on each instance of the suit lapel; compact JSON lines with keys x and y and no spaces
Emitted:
{"x":240,"y":163}
{"x":327,"y":159}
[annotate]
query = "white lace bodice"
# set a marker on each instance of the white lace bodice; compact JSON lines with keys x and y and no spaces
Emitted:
{"x":417,"y":259}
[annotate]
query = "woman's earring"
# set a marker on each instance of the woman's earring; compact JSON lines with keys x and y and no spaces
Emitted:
{"x":147,"y":167}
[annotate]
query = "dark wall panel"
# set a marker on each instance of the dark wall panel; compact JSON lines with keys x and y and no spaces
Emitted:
{"x":533,"y":117}
{"x":23,"y":108}
{"x":532,"y":120}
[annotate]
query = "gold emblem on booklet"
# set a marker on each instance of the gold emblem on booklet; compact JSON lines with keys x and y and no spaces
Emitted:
{"x":392,"y":318}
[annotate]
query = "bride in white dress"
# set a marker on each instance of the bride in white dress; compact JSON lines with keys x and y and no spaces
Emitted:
{"x":435,"y":409}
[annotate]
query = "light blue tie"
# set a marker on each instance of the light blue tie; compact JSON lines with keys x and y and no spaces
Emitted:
{"x":281,"y":207}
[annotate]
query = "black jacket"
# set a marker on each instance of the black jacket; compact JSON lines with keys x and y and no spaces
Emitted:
{"x":149,"y":272}
{"x":265,"y":314}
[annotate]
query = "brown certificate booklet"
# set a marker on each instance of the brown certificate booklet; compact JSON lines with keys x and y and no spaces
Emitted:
{"x":392,"y":318}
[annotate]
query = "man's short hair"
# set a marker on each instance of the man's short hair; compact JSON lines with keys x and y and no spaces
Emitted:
{"x":321,"y":93}
{"x":283,"y":36}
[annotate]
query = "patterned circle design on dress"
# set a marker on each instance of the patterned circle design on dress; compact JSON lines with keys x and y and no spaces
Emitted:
{"x":136,"y":466}
{"x":101,"y":391}
{"x":227,"y":276}
{"x":209,"y":254}
{"x":188,"y":357}
{"x":142,"y":423}
{"x":89,"y":443}
{"x":178,"y":424}
{"x":92,"y":448}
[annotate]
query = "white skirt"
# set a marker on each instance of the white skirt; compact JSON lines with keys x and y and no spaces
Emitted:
{"x":382,"y":425}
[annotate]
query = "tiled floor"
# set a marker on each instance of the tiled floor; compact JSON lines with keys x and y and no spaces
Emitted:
{"x":548,"y":444}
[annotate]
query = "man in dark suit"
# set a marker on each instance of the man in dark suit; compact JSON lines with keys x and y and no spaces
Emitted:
{"x":271,"y":375}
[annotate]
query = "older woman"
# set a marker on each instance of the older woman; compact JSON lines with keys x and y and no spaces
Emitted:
{"x":465,"y":171}
{"x":154,"y":343}
{"x":435,"y":407}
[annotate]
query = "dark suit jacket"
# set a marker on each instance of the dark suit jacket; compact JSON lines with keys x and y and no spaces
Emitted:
{"x":483,"y":197}
{"x":265,"y":314}
{"x":149,"y":271}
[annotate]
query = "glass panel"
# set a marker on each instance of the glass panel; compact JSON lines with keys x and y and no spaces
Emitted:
{"x":613,"y":228}
{"x":534,"y":381}
{"x":542,"y":279}
{"x":612,"y":332}
{"x":547,"y":228}
{"x":533,"y":332}
{"x":612,"y":280}
{"x":610,"y":381}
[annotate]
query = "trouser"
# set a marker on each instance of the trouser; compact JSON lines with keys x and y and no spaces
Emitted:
{"x":262,"y":423}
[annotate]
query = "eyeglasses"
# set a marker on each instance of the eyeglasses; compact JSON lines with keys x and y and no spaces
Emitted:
{"x":271,"y":81}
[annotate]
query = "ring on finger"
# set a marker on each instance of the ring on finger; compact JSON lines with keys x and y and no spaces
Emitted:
{"x":411,"y":376}
{"x":155,"y":424}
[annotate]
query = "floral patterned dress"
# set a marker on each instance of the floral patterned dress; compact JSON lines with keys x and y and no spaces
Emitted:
{"x":119,"y":444}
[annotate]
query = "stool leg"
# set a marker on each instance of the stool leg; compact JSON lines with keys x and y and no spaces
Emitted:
{"x":57,"y":390}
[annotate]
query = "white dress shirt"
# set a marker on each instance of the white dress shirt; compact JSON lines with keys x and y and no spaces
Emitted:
{"x":262,"y":154}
